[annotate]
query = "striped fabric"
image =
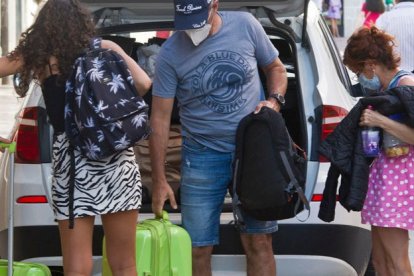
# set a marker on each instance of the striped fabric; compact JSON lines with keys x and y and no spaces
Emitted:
{"x":105,"y":186}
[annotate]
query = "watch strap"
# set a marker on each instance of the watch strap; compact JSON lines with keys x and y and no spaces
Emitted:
{"x":277,"y":96}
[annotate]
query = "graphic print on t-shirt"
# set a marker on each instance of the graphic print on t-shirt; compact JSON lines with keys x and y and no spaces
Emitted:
{"x":220,"y":79}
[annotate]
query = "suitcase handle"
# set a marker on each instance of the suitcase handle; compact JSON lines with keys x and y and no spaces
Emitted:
{"x":10,"y":146}
{"x":164,"y":216}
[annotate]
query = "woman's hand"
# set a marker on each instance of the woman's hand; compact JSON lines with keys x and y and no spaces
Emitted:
{"x":372,"y":118}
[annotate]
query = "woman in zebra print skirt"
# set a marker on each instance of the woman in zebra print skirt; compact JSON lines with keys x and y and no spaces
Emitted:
{"x":110,"y":187}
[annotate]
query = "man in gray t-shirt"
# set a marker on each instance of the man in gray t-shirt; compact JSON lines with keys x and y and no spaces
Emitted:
{"x":210,"y":64}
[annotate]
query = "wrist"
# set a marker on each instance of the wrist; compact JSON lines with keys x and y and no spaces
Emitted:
{"x":278,"y":98}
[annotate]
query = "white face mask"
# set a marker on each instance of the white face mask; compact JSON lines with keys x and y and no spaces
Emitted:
{"x":199,"y":35}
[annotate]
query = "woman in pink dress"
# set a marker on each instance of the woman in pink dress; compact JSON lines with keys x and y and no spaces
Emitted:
{"x":389,"y":204}
{"x":371,"y":10}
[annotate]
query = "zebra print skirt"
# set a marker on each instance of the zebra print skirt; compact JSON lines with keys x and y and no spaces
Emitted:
{"x":101,"y":187}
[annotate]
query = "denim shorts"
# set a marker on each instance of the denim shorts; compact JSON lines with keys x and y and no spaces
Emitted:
{"x":205,"y":177}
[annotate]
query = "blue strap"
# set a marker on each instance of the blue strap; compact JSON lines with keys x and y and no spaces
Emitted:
{"x":397,"y":77}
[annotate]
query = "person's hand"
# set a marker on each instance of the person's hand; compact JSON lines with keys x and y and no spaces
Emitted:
{"x":270,"y":103}
{"x":371,"y":118}
{"x":160,"y":193}
{"x":4,"y":140}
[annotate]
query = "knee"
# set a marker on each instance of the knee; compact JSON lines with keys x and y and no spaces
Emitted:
{"x":124,"y":263}
{"x":257,"y":244}
{"x":77,"y":264}
{"x":80,"y":268}
{"x":202,"y":253}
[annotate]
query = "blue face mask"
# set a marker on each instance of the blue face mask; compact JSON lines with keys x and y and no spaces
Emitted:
{"x":372,"y":84}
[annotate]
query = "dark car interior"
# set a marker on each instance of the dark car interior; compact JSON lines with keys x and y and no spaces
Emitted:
{"x":289,"y":111}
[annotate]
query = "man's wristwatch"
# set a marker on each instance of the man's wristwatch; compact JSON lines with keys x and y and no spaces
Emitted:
{"x":278,"y":97}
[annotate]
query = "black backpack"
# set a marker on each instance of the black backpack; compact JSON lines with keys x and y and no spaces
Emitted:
{"x":269,"y":174}
{"x":104,"y":112}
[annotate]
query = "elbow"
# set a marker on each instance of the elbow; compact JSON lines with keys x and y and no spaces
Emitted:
{"x":144,"y":86}
{"x":148,"y":85}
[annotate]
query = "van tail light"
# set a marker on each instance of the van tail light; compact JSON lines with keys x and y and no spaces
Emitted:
{"x":331,"y":117}
{"x":27,"y":137}
{"x":319,"y":197}
{"x":32,"y":199}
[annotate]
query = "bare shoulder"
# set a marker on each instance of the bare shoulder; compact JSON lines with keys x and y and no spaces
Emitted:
{"x":108,"y":44}
{"x":407,"y":80}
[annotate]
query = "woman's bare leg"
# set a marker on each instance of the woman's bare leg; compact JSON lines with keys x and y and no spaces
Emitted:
{"x":119,"y":231}
{"x":77,"y":246}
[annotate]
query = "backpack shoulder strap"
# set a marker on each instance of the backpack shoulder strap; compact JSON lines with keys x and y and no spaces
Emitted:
{"x":276,"y":124}
{"x":294,"y":183}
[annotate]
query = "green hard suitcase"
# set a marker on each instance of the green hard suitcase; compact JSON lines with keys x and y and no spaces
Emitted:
{"x":162,"y":249}
{"x":18,"y":268}
{"x":25,"y":269}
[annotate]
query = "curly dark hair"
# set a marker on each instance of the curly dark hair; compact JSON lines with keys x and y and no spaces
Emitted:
{"x":370,"y":44}
{"x":63,"y":29}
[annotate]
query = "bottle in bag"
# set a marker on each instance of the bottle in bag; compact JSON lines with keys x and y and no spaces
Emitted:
{"x":371,"y":139}
{"x":394,"y":147}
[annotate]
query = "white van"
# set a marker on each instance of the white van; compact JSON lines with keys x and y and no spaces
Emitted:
{"x":319,"y":95}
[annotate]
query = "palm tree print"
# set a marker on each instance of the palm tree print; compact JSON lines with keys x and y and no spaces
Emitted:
{"x":117,"y":124}
{"x":100,"y":106}
{"x":122,"y":143}
{"x":116,"y":83}
{"x":68,"y":111}
{"x":78,"y":123}
{"x":92,"y":150}
{"x":99,"y":90}
{"x":141,"y":104}
{"x":68,"y":87}
{"x":139,"y":120}
{"x":95,"y":74}
{"x":122,"y":102}
{"x":78,"y":92}
{"x":80,"y":75}
{"x":101,"y":136}
{"x":90,"y":122}
{"x":130,"y":79}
